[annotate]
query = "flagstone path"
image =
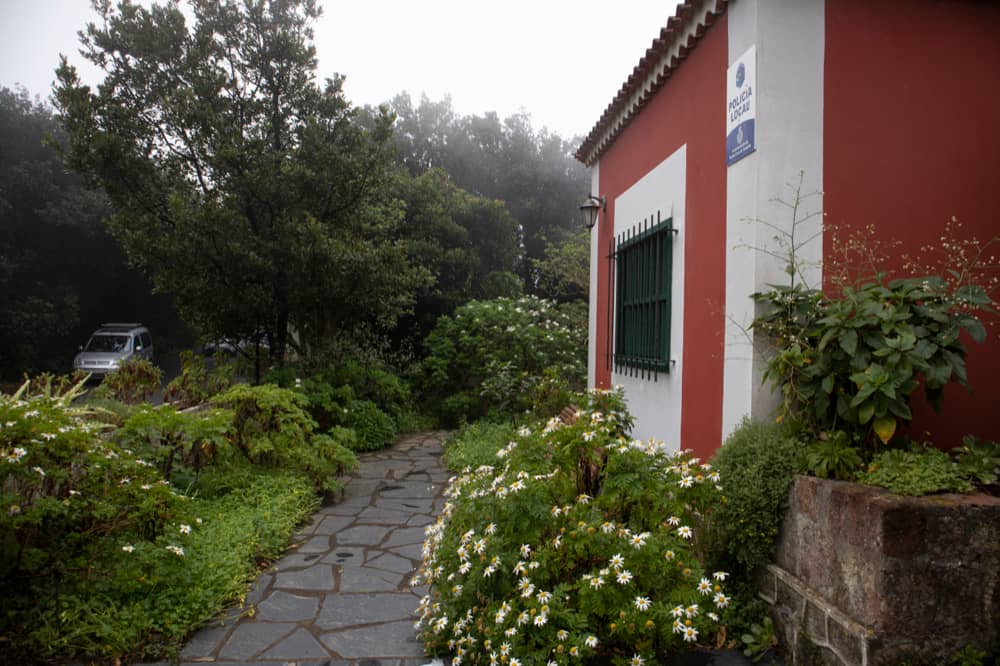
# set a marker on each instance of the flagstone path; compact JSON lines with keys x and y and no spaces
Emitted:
{"x":341,"y":595}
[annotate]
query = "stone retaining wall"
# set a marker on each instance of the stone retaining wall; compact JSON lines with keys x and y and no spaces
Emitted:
{"x":864,"y":577}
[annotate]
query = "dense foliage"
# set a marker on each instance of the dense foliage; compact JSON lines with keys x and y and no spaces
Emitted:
{"x":271,"y":428}
{"x":118,"y":540}
{"x":252,"y":194}
{"x":476,"y":444}
{"x":577,"y":543}
{"x":851,"y":362}
{"x":60,"y":272}
{"x":490,"y":355}
{"x":849,"y":359}
{"x":920,"y":471}
{"x":469,"y":243}
{"x":758,"y":463}
{"x":134,"y":381}
{"x":367,"y":398}
{"x":533,"y":172}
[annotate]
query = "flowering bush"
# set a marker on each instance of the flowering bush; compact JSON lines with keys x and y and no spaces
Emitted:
{"x":100,"y":557}
{"x":62,"y":487}
{"x":489,"y":354}
{"x":577,"y":544}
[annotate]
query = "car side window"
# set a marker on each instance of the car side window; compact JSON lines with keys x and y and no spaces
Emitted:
{"x":146,"y":341}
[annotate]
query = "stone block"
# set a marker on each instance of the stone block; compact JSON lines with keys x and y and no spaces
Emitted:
{"x":897,"y":576}
{"x":815,"y":621}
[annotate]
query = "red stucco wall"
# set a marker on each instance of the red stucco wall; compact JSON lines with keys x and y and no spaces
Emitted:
{"x":688,"y":109}
{"x":912,"y":138}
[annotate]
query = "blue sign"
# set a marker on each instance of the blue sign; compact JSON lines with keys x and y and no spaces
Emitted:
{"x":741,"y":109}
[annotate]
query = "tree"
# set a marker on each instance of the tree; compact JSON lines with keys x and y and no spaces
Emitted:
{"x":532,"y":172}
{"x":60,"y":272}
{"x":241,"y":186}
{"x":469,"y":244}
{"x":564,"y":272}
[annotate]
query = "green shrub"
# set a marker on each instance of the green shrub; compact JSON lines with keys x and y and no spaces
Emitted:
{"x":271,"y":428}
{"x":477,"y":444}
{"x":185,"y":439}
{"x":488,"y":355}
{"x":374,"y":429}
{"x":921,"y":471}
{"x":374,"y":382}
{"x":852,"y":362}
{"x":578,"y":543}
{"x":329,"y":391}
{"x":135,"y":381}
{"x":63,"y":488}
{"x":758,"y":463}
{"x":196,"y":383}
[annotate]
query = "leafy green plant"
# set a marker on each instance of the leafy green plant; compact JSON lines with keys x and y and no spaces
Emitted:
{"x":550,"y":394}
{"x":851,"y":362}
{"x":63,"y":488}
{"x":489,"y":354}
{"x":921,"y":471}
{"x":143,"y":596}
{"x":850,"y":358}
{"x":191,"y":439}
{"x":759,"y":639}
{"x":979,"y":461}
{"x":758,"y":463}
{"x":833,"y":456}
{"x":196,"y":383}
{"x":135,"y":381}
{"x":969,"y":656}
{"x":272,"y":428}
{"x":524,"y":565}
{"x":374,"y":429}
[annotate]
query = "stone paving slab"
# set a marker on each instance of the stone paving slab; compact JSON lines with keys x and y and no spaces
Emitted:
{"x":340,"y":596}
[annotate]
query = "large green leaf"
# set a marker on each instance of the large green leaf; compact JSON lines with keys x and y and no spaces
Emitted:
{"x":865,"y":412}
{"x":885,"y":428}
{"x":849,"y":341}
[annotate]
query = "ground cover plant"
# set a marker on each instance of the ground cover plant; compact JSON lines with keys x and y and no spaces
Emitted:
{"x":118,"y":540}
{"x":476,"y":444}
{"x":576,"y":544}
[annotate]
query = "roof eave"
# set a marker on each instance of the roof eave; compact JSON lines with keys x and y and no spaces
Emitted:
{"x":676,"y":40}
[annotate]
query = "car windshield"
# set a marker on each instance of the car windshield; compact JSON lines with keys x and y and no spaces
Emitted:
{"x":108,"y":343}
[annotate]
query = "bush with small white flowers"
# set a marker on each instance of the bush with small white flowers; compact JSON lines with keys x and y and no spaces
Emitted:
{"x":577,"y":546}
{"x":490,"y":356}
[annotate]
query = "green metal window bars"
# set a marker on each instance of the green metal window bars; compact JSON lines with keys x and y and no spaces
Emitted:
{"x":643,"y":258}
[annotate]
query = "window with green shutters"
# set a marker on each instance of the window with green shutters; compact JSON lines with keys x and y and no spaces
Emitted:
{"x":643,"y":260}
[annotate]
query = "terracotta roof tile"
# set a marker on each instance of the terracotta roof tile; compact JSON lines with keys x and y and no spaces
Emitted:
{"x":668,"y":50}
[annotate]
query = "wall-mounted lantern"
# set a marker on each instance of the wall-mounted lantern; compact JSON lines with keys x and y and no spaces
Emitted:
{"x":591,"y":209}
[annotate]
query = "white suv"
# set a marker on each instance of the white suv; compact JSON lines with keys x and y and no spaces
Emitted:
{"x":111,"y":344}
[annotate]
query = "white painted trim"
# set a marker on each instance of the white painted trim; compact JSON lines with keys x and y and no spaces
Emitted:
{"x":657,"y":405}
{"x":595,"y":183}
{"x":790,"y":39}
